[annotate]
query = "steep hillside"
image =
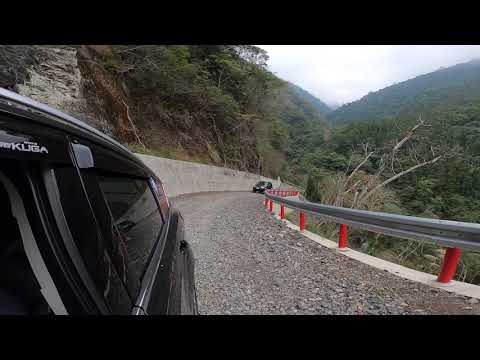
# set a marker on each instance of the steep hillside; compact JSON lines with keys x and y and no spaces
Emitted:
{"x":214,"y":104}
{"x":458,"y":85}
{"x":307,"y":130}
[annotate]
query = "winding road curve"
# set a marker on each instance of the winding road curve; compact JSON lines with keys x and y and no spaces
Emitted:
{"x":248,"y":262}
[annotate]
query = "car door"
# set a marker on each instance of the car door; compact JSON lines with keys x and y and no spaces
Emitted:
{"x":142,"y":236}
{"x":175,"y":274}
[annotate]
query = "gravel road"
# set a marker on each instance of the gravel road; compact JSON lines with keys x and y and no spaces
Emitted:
{"x":248,"y":262}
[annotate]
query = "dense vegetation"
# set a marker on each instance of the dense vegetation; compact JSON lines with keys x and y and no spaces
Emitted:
{"x":217,"y":103}
{"x":448,"y":102}
{"x":448,"y":189}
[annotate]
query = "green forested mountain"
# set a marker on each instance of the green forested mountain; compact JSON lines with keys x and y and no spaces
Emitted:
{"x":447,"y":189}
{"x":458,"y":85}
{"x":448,"y":102}
{"x":308,"y":98}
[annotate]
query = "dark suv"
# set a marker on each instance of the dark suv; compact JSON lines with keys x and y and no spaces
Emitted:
{"x":261,"y":186}
{"x":86,"y":227}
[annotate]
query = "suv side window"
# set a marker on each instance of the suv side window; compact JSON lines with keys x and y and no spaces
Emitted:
{"x":138,"y":221}
{"x":93,"y":247}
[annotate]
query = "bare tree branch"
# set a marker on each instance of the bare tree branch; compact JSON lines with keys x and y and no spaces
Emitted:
{"x":395,"y":177}
{"x":409,"y":135}
{"x":353,"y":187}
{"x":133,"y":125}
{"x":360,"y":165}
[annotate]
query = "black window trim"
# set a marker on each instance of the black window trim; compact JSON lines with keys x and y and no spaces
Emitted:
{"x":153,"y":263}
{"x":162,"y":233}
{"x":53,"y":194}
{"x":154,"y":186}
{"x":151,"y":270}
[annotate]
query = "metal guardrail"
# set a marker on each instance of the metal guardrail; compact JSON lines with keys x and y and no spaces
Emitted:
{"x":454,"y":235}
{"x":443,"y":232}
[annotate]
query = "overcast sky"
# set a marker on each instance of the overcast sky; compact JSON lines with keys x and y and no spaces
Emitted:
{"x":344,"y":73}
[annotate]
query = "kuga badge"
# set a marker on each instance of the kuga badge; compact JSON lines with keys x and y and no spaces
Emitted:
{"x":25,"y":146}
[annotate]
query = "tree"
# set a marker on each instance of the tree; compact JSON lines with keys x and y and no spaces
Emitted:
{"x":312,"y":191}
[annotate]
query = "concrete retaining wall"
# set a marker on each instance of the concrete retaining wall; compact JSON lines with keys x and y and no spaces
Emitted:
{"x":183,"y":177}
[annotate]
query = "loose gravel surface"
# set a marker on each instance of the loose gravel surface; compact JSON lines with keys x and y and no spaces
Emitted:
{"x":248,"y":262}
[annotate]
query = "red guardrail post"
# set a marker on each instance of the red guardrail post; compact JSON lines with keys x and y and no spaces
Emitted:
{"x":271,"y":206}
{"x":342,"y":241}
{"x":282,"y":211}
{"x":302,"y":221}
{"x":449,"y":267}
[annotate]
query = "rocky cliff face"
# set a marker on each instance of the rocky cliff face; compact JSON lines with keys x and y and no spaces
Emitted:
{"x":14,"y":61}
{"x":104,"y":94}
{"x":52,"y":75}
{"x":74,"y":80}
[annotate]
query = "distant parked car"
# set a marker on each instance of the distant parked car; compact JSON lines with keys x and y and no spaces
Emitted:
{"x":86,"y":227}
{"x":261,"y":186}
